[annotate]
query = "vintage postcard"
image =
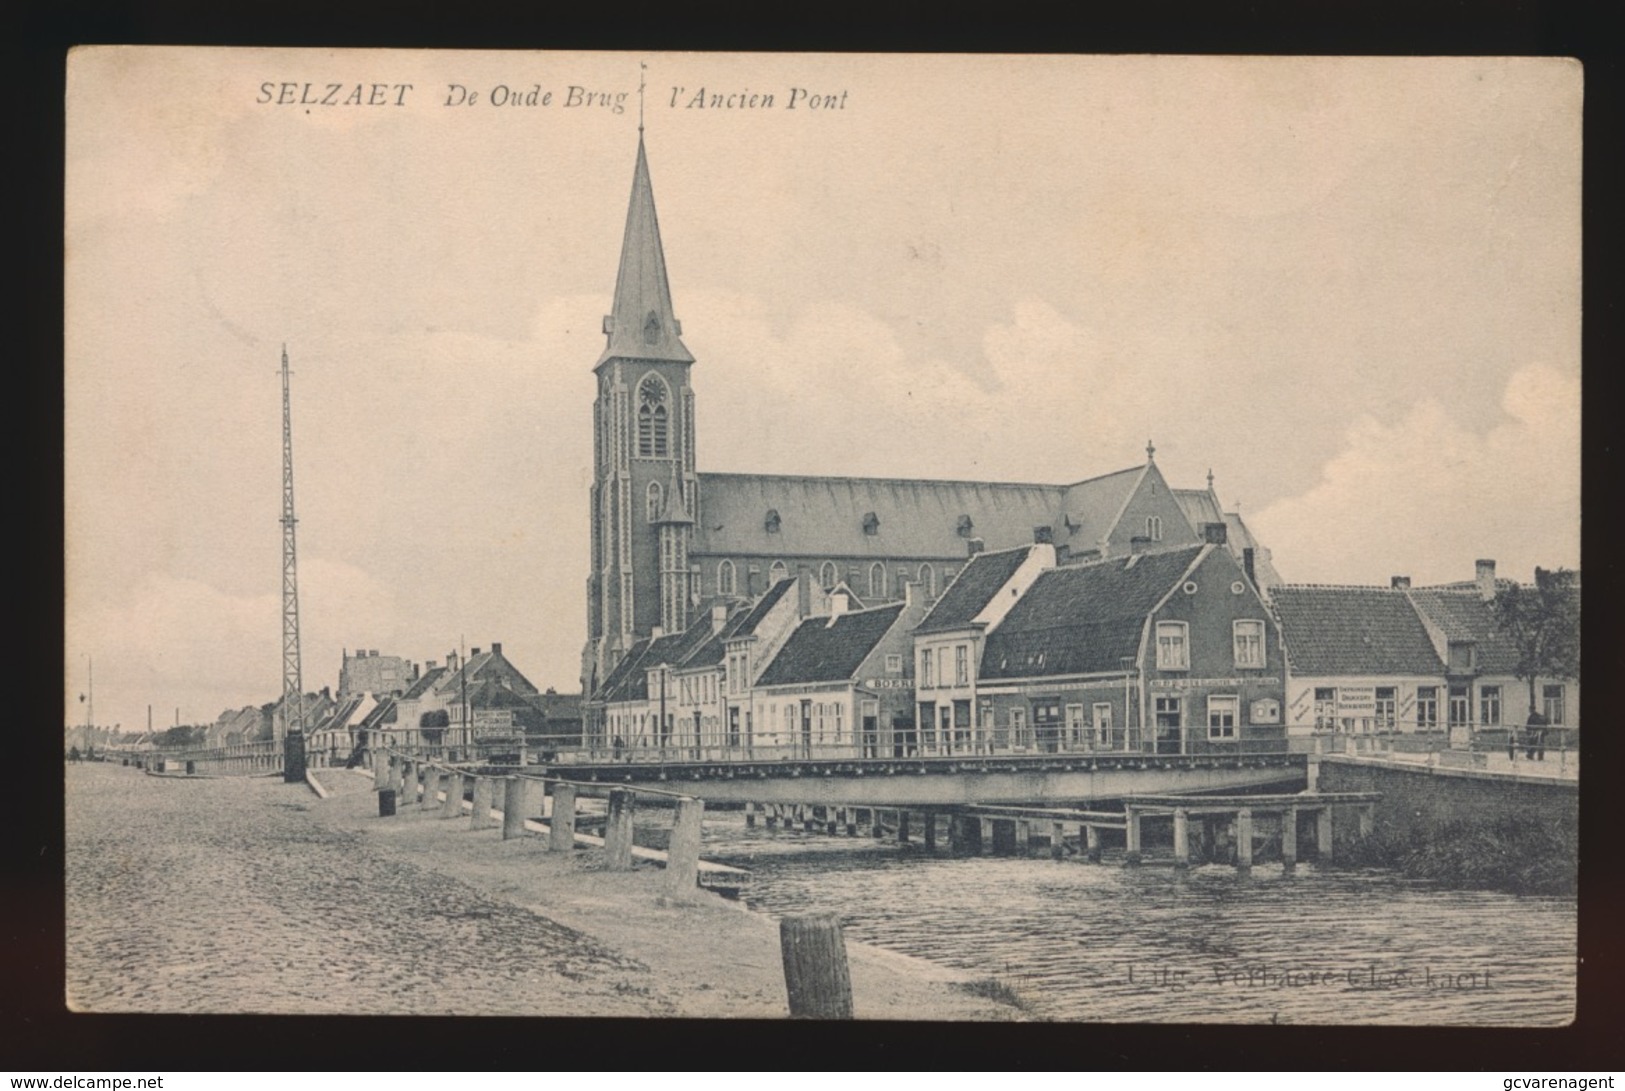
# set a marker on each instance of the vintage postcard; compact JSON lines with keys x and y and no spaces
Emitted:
{"x":985,"y":538}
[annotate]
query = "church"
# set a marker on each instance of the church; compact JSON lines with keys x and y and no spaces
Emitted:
{"x":668,"y":540}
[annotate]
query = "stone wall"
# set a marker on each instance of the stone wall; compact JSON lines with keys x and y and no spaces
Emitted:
{"x":1427,"y":799}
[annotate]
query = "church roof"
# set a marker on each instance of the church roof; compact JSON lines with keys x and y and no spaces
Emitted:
{"x":641,"y":325}
{"x":824,"y":516}
{"x":1200,"y":506}
{"x":1091,"y":508}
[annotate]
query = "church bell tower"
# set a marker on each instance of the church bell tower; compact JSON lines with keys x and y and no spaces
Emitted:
{"x":644,"y":494}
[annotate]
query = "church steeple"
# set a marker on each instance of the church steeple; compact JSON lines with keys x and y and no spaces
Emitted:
{"x":642,"y":325}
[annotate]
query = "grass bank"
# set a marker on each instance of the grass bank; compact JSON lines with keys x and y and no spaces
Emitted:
{"x":1505,"y":853}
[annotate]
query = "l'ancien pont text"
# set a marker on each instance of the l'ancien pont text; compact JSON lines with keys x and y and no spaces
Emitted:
{"x":341,"y":93}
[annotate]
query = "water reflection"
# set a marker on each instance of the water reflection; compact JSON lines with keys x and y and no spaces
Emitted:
{"x":1150,"y":944}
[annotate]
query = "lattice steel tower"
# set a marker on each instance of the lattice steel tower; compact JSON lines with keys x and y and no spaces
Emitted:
{"x":293,"y":690}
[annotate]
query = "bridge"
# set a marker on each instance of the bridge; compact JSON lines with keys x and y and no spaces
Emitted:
{"x":941,"y":780}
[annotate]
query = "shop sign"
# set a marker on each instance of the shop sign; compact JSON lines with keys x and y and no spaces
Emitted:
{"x":1356,"y":700}
{"x":888,"y":683}
{"x":1265,"y":710}
{"x":1202,"y":683}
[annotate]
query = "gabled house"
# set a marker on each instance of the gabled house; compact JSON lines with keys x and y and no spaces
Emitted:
{"x":1169,"y":651}
{"x":822,"y":696}
{"x":1359,"y":660}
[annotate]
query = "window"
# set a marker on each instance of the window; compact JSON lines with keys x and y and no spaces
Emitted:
{"x":1018,"y":727}
{"x":1103,"y":723}
{"x":1325,"y":708}
{"x":654,"y":500}
{"x":1427,"y":707}
{"x":771,"y":523}
{"x":827,"y":575}
{"x":1383,"y":713}
{"x":1552,"y":704}
{"x":1461,"y":708}
{"x":1489,"y":706}
{"x":1076,"y":732}
{"x":871,"y":523}
{"x":1249,"y":640}
{"x":928,"y":580}
{"x":1462,"y":656}
{"x":1153,"y":527}
{"x":1221,"y":718}
{"x":877,"y":580}
{"x":1172,"y":652}
{"x":926,"y":679}
{"x":961,"y":665}
{"x":776,"y":573}
{"x":894,"y":664}
{"x":652,"y":422}
{"x":725,"y":578}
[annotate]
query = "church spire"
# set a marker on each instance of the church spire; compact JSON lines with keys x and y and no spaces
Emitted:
{"x":642,"y":326}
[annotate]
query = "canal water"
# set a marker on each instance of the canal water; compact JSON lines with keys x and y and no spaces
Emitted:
{"x":1103,"y":942}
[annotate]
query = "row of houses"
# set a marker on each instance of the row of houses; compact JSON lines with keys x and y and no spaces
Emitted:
{"x":1177,"y":650}
{"x":453,"y":708}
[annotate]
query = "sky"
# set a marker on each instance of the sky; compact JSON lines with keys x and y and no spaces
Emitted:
{"x":1347,"y":287}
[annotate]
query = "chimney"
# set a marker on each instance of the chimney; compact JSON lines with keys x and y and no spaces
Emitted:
{"x":1215,"y":533}
{"x":472,"y":652}
{"x":1063,"y":553}
{"x":451,"y":659}
{"x":1486,"y":580}
{"x":496,"y":648}
{"x":719,"y":617}
{"x":656,"y":633}
{"x":1399,"y":583}
{"x":803,"y":592}
{"x":838,"y":605}
{"x":1139,"y":544}
{"x":1247,"y":565}
{"x":973,"y":546}
{"x":1043,"y":535}
{"x":428,"y":664}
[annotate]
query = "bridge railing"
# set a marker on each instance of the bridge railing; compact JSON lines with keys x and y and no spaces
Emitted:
{"x":239,"y":759}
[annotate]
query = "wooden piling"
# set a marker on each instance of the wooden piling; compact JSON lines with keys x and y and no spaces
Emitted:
{"x":618,"y":831}
{"x":877,"y":825}
{"x":1056,"y":838}
{"x":806,"y":819}
{"x":1367,"y":820}
{"x":851,"y":822}
{"x":1182,"y":842}
{"x":561,"y":830}
{"x":816,"y":977}
{"x":1289,"y":838}
{"x":453,"y":806}
{"x":902,"y":828}
{"x":750,"y":816}
{"x":1323,"y":833}
{"x":1132,"y":821}
{"x":930,"y":824}
{"x":1003,"y":835}
{"x":513,"y":808}
{"x":1091,"y":840}
{"x":1244,"y":839}
{"x":683,"y":850}
{"x":484,"y":789}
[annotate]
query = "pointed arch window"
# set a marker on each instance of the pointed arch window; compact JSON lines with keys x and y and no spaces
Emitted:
{"x":655,"y":496}
{"x":653,"y":422}
{"x":928,"y":577}
{"x":877,"y":580}
{"x":827,"y":575}
{"x":725,"y":578}
{"x":778,"y":572}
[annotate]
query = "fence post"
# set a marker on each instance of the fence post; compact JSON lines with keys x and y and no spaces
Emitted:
{"x":481,"y":818}
{"x":816,"y":977}
{"x":561,"y":830}
{"x":453,"y":807}
{"x":431,"y":787}
{"x":683,"y":851}
{"x":513,"y":809}
{"x":618,"y":831}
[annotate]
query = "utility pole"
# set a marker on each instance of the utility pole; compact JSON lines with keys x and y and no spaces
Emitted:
{"x":293,"y":688}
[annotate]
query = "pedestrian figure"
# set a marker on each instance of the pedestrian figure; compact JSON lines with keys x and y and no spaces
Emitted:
{"x":1536,"y":736}
{"x":617,"y":744}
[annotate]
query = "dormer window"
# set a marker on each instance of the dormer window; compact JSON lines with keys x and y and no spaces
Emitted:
{"x":871,"y":523}
{"x":965,"y":526}
{"x":651,"y":329}
{"x":771,"y":523}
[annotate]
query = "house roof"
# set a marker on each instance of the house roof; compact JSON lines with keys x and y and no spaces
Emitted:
{"x":382,"y":713}
{"x":825,"y":650}
{"x":973,"y":589}
{"x":629,"y":681}
{"x":1353,"y":630}
{"x":1084,"y":619}
{"x":425,"y":682}
{"x":757,"y":613}
{"x":1464,"y":615}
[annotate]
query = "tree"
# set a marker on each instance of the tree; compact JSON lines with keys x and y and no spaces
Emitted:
{"x":1543,"y":624}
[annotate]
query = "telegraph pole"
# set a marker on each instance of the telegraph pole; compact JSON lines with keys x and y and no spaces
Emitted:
{"x":293,"y":689}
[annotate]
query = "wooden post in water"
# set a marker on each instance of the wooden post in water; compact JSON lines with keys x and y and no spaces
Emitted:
{"x":930,"y":824}
{"x":1323,"y":832}
{"x":851,"y":822}
{"x":1367,"y":820}
{"x":902,"y":828}
{"x":832,"y":819}
{"x":1244,"y":839}
{"x":750,"y":816}
{"x":1091,"y":840}
{"x":877,"y":825}
{"x":816,"y":977}
{"x":1132,"y":821}
{"x":1182,"y":838}
{"x":772,"y":814}
{"x":683,"y":851}
{"x":1056,"y":837}
{"x":806,"y":818}
{"x":1003,"y":837}
{"x":513,"y":808}
{"x":484,"y":789}
{"x":618,"y":831}
{"x":561,"y":830}
{"x":453,"y":806}
{"x":1289,"y":839}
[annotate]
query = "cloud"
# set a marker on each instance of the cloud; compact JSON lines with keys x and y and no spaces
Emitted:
{"x":1427,"y":494}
